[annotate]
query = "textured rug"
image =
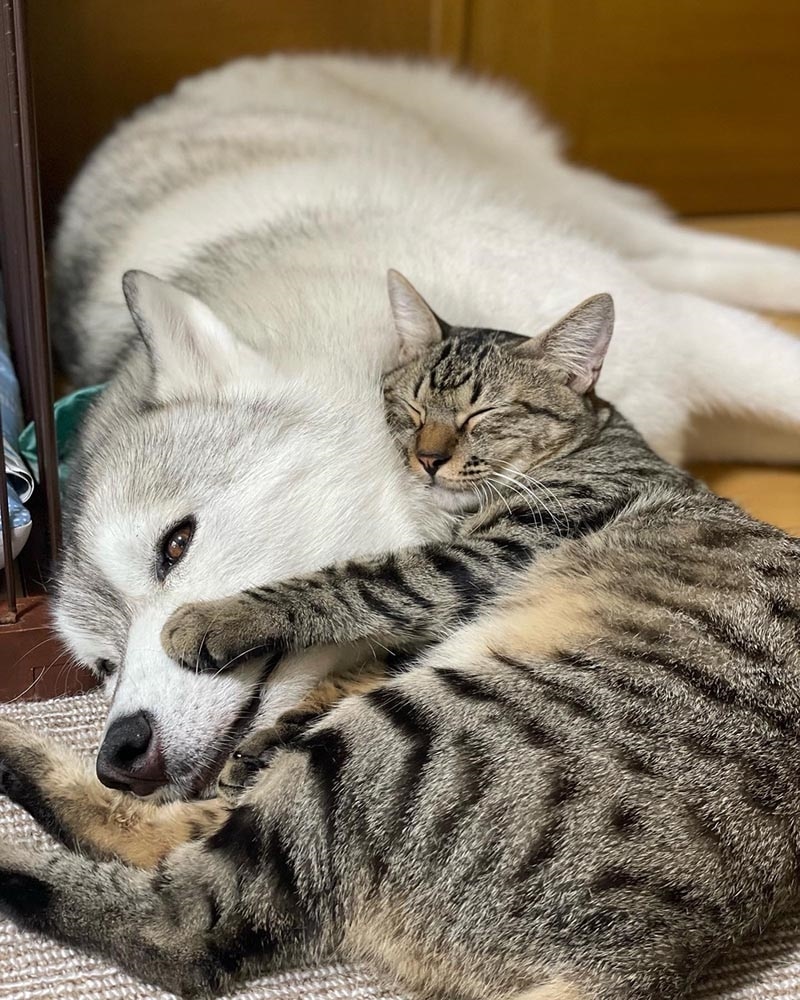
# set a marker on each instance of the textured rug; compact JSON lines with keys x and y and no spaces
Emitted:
{"x":35,"y":969}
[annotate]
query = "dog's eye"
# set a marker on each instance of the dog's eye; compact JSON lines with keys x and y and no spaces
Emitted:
{"x":173,"y":547}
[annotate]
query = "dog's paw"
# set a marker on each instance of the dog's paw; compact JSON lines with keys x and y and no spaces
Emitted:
{"x":211,"y":636}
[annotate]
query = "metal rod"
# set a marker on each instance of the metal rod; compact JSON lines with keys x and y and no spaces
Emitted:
{"x":22,"y":254}
{"x":10,"y":615}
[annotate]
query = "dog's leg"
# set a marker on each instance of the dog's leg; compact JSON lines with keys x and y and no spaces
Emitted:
{"x":672,"y":256}
{"x":738,"y":271}
{"x":58,"y":788}
{"x":741,"y":367}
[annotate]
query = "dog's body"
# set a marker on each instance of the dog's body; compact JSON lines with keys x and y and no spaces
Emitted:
{"x":279,"y":191}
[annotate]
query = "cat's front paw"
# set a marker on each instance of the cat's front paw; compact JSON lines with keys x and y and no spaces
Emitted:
{"x":238,"y":774}
{"x":211,"y":636}
{"x":253,"y":755}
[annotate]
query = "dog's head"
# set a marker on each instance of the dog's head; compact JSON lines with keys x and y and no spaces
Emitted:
{"x":202,"y":470}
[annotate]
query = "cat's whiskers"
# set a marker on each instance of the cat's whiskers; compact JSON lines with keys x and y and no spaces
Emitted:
{"x":496,"y":491}
{"x":484,"y":500}
{"x":536,"y":484}
{"x":521,"y":489}
{"x":524,"y":494}
{"x":227,"y":665}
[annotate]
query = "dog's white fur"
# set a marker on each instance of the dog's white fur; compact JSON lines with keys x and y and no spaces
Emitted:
{"x":279,"y":192}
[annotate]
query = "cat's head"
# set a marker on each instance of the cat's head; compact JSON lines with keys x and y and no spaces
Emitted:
{"x":474,"y":409}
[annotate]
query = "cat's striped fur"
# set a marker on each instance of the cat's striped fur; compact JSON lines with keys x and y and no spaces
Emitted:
{"x":586,"y":791}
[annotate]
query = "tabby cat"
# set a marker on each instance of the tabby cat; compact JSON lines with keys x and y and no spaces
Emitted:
{"x":585,"y":788}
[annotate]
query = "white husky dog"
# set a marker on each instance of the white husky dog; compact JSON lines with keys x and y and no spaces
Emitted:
{"x":271,"y":196}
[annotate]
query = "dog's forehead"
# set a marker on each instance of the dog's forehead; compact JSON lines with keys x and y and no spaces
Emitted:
{"x":151,"y":457}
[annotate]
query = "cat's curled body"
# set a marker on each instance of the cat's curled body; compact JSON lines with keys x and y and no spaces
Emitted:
{"x":586,"y":790}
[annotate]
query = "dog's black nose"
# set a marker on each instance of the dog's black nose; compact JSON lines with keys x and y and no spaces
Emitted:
{"x":432,"y":460}
{"x":130,"y":758}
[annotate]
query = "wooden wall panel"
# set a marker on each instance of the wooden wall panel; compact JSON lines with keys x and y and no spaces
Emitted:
{"x":697,"y":99}
{"x":96,"y":60}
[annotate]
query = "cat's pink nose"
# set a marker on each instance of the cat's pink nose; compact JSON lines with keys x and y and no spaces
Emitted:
{"x":432,"y":461}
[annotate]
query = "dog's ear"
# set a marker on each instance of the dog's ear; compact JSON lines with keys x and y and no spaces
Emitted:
{"x":576,"y":345}
{"x":189,"y":347}
{"x":417,"y":325}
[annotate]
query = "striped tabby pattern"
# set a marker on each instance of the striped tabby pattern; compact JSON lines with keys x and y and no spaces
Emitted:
{"x":587,"y":785}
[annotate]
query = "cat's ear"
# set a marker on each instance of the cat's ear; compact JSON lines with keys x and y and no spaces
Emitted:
{"x":418,"y":327}
{"x":578,"y":342}
{"x":187,"y":344}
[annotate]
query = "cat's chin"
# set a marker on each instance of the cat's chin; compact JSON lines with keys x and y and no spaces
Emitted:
{"x":454,"y":501}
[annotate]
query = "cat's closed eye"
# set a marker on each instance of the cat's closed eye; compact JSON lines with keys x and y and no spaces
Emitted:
{"x":417,"y":415}
{"x":469,"y":421}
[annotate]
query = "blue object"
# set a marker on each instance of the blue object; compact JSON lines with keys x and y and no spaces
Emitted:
{"x":11,"y":412}
{"x":18,"y":475}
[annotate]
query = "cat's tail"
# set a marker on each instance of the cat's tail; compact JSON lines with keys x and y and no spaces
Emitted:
{"x":745,"y":373}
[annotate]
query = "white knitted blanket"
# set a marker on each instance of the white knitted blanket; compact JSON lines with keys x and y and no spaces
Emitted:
{"x":32,"y":968}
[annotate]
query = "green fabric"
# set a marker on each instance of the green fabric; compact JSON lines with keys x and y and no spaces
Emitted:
{"x":69,"y":412}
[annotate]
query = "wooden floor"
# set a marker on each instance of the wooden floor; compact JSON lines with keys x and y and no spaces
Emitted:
{"x":770,"y":493}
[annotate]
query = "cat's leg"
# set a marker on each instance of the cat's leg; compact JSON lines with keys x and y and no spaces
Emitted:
{"x":255,"y":895}
{"x":192,"y":927}
{"x":276,"y":884}
{"x":254,"y":754}
{"x":402,"y":600}
{"x":60,"y":790}
{"x":208,"y":918}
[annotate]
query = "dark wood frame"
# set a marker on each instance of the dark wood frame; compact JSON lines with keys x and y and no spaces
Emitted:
{"x":33,"y":664}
